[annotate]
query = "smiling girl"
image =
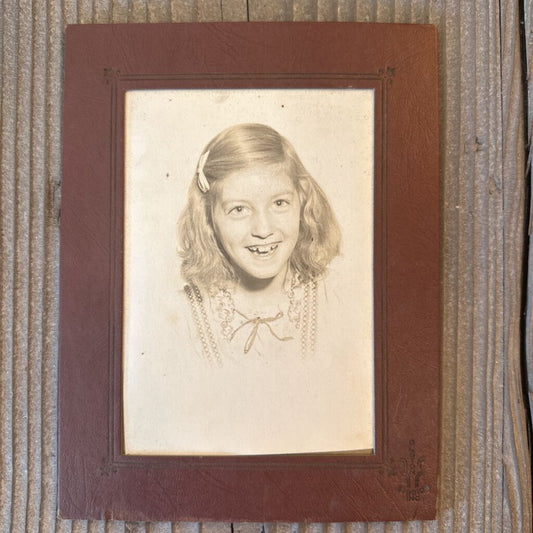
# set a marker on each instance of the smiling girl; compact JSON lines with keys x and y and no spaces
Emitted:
{"x":257,"y":236}
{"x":265,"y":355}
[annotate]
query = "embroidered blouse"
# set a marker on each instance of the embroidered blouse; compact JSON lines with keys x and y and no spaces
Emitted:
{"x":227,"y":332}
{"x":293,"y":378}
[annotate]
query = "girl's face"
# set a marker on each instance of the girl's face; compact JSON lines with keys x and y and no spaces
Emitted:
{"x":257,"y":219}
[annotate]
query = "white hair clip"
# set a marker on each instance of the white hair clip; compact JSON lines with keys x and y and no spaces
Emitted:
{"x":203,"y":184}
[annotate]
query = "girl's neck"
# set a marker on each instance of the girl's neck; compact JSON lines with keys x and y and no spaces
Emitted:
{"x":257,"y":293}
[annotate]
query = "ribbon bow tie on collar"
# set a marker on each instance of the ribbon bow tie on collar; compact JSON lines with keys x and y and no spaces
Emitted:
{"x":256,"y":322}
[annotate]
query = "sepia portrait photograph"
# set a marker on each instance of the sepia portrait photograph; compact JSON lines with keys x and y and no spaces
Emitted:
{"x":248,"y":316}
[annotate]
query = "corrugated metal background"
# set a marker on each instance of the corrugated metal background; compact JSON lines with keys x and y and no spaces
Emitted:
{"x":485,"y":480}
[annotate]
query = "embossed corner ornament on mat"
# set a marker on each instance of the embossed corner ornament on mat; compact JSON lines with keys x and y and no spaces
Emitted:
{"x":409,"y":473}
{"x":249,"y":273}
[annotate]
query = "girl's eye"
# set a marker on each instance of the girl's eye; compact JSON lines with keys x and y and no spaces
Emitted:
{"x":281,"y":203}
{"x":237,"y":210}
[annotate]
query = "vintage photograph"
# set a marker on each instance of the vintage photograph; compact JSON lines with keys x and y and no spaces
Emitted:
{"x":248,"y":320}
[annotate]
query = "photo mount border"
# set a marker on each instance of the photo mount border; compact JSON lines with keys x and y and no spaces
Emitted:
{"x":94,"y":481}
{"x":380,"y":82}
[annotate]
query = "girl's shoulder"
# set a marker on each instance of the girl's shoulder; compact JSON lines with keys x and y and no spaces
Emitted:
{"x":332,"y":287}
{"x":197,"y":309}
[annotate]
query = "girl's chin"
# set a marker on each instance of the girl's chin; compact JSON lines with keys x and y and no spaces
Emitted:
{"x":259,"y":280}
{"x":254,"y":282}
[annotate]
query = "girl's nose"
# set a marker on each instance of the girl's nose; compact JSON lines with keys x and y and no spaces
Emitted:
{"x":261,"y":225}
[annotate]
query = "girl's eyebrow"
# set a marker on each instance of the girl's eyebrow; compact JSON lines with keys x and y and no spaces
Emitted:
{"x":236,"y":200}
{"x":240,"y":200}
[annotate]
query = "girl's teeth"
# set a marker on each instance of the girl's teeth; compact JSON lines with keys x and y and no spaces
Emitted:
{"x":262,"y":249}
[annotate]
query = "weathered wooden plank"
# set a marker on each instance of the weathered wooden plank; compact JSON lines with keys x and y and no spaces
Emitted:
{"x":483,"y":201}
{"x":326,"y":11}
{"x":158,"y":11}
{"x":234,"y":10}
{"x":159,"y":527}
{"x":183,"y":10}
{"x":345,"y":11}
{"x":385,"y":11}
{"x":8,"y":122}
{"x":356,"y":527}
{"x":186,"y":527}
{"x":208,"y":11}
{"x":114,"y":526}
{"x":51,"y":112}
{"x":402,"y":11}
{"x":516,"y":448}
{"x":119,"y":11}
{"x":215,"y":527}
{"x":102,"y":12}
{"x":85,"y":11}
{"x":450,"y":89}
{"x":304,"y":10}
{"x":274,"y":10}
{"x":96,"y":526}
{"x":138,"y":11}
{"x":135,"y":527}
{"x":80,"y":526}
{"x":366,"y":11}
{"x":37,"y":265}
{"x":21,"y":263}
{"x":528,"y":12}
{"x":247,"y":527}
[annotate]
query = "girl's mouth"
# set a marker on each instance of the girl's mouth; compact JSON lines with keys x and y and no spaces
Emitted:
{"x":264,"y":249}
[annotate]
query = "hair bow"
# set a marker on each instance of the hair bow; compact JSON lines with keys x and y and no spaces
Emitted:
{"x":203,"y":184}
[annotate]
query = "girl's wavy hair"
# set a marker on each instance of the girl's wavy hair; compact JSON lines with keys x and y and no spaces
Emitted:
{"x":236,"y":148}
